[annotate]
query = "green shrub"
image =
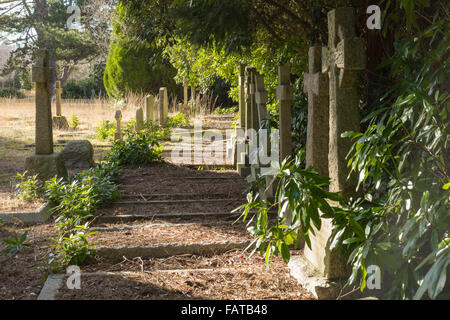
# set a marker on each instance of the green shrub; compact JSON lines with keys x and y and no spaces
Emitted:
{"x":106,"y":130}
{"x":178,"y":120}
{"x":300,"y":194}
{"x":137,"y":148}
{"x":73,"y":248}
{"x":220,"y":110}
{"x":16,"y":244}
{"x":11,"y":93}
{"x":74,"y":121}
{"x":29,"y":187}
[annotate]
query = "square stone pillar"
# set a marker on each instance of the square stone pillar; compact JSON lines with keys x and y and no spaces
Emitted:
{"x":285,"y":95}
{"x":149,"y":106}
{"x":162,"y":106}
{"x":139,"y":119}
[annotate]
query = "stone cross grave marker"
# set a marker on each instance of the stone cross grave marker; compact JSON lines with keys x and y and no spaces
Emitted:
{"x":43,"y":76}
{"x":285,"y":96}
{"x":343,"y":58}
{"x":316,"y":85}
{"x":45,"y":162}
{"x":118,"y":117}
{"x":139,"y":119}
{"x":149,"y":105}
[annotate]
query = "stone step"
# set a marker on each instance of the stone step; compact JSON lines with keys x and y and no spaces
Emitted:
{"x":231,"y":275}
{"x":204,"y":216}
{"x":163,"y":239}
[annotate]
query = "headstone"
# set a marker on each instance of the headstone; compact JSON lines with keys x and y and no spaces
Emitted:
{"x":285,"y":96}
{"x":185,"y":93}
{"x":149,"y":106}
{"x":58,"y":92}
{"x":118,"y":117}
{"x":166,"y":104}
{"x":78,"y":154}
{"x":59,"y":121}
{"x":45,"y":163}
{"x":242,"y":96}
{"x":236,"y":139}
{"x":139,"y":119}
{"x":346,"y":56}
{"x":162,"y":106}
{"x":316,"y":85}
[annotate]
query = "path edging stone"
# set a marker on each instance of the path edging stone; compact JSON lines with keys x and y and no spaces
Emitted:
{"x":170,"y":249}
{"x":40,"y":216}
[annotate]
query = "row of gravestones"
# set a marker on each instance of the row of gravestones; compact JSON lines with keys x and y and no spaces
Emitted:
{"x":331,"y":85}
{"x":156,"y":110}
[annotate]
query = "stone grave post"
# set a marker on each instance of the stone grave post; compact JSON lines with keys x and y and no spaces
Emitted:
{"x":166,"y":104}
{"x":285,"y":96}
{"x":240,"y":126}
{"x":139,"y":119}
{"x":149,"y":104}
{"x":45,"y":162}
{"x":59,"y":121}
{"x":242,"y":96}
{"x":316,"y":85}
{"x":185,"y":94}
{"x":260,"y":115}
{"x":321,"y":270}
{"x":162,"y":104}
{"x":118,"y":133}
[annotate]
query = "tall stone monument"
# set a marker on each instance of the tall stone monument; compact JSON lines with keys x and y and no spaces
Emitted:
{"x":45,"y":163}
{"x":59,"y":121}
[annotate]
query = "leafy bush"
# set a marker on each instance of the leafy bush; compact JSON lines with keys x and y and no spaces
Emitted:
{"x":16,"y":244}
{"x":11,"y":93}
{"x":72,"y":249}
{"x":137,"y":148}
{"x":220,"y":110}
{"x":300,"y":194}
{"x":29,"y":187}
{"x":178,"y":120}
{"x":74,"y":121}
{"x":106,"y":130}
{"x":81,"y":89}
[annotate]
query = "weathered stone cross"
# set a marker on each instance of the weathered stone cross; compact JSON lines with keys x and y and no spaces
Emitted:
{"x":343,"y":58}
{"x":45,"y":162}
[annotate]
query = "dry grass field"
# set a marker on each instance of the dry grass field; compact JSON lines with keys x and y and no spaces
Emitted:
{"x":17,"y":134}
